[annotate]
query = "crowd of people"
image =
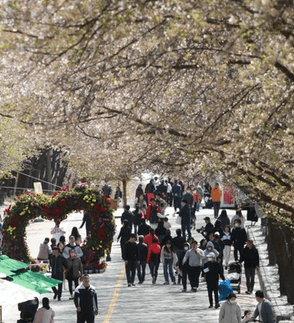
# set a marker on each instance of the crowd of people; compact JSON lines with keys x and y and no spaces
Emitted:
{"x":183,"y":259}
{"x":65,"y":264}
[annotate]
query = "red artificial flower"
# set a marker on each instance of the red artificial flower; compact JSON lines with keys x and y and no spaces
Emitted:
{"x":97,"y":206}
{"x":46,"y":209}
{"x":65,"y":188}
{"x":106,"y":199}
{"x":54,"y":194}
{"x":103,"y":209}
{"x":7,"y":210}
{"x":62,"y":202}
{"x":101,"y":234}
{"x":56,"y":210}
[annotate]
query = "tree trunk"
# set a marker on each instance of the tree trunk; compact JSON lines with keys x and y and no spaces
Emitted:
{"x":124,"y":191}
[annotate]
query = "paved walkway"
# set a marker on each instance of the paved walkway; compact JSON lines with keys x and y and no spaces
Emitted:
{"x":142,"y":303}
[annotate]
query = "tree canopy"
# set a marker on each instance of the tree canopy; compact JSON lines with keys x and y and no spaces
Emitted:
{"x":181,"y":85}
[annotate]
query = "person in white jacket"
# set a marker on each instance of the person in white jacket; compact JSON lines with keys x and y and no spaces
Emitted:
{"x":230,"y":311}
{"x":44,"y":314}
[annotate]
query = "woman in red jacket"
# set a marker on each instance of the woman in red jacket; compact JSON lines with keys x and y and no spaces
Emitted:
{"x":153,"y":259}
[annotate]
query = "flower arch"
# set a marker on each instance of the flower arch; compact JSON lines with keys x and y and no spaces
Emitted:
{"x":30,"y":206}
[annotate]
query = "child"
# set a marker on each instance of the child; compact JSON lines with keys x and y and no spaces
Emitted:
{"x":247,"y":316}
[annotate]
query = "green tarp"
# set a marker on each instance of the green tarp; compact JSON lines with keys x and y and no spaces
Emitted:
{"x":34,"y":281}
{"x":9,"y":266}
{"x":14,"y":270}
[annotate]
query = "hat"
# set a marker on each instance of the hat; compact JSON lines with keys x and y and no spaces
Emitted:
{"x":207,"y":218}
{"x":216,"y":233}
{"x":162,"y":216}
{"x":211,"y":255}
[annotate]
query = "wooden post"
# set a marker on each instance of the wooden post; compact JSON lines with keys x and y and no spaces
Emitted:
{"x":124,"y":191}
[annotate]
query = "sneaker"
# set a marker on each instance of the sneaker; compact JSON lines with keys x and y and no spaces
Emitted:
{"x":59,"y":299}
{"x":226,"y":267}
{"x":174,"y":283}
{"x":129,"y":285}
{"x":166,"y":283}
{"x":247,"y":292}
{"x":184,"y":290}
{"x":193,"y":290}
{"x":133,"y":284}
{"x":210,"y":306}
{"x":140,"y":283}
{"x":55,"y":296}
{"x":153,"y":280}
{"x":217,"y":305}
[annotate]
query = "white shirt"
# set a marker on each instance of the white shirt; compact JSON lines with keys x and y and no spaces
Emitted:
{"x":259,"y":310}
{"x":44,"y":316}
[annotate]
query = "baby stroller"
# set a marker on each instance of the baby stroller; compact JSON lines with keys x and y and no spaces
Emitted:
{"x":234,"y":275}
{"x":28,"y":310}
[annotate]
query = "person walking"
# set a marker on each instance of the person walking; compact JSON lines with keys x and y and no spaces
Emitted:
{"x":72,"y":245}
{"x":216,"y":195}
{"x":264,"y":309}
{"x":142,"y":253}
{"x":127,"y":215}
{"x":86,"y":302}
{"x":73,"y":271}
{"x":151,"y":213}
{"x":250,"y":257}
{"x":88,"y":221}
{"x":224,"y":219}
{"x":239,"y":216}
{"x":178,"y":244}
{"x":44,"y":251}
{"x":185,"y":214}
{"x":230,"y":312}
{"x":131,"y":258}
{"x":153,"y":258}
{"x":239,"y":238}
{"x":183,"y":267}
{"x":227,"y":241}
{"x":76,"y":234}
{"x":169,"y":259}
{"x":212,"y":270}
{"x":124,"y":235}
{"x":148,"y":239}
{"x":160,"y":202}
{"x":193,"y":257}
{"x":57,"y":263}
{"x":45,"y":314}
{"x":177,"y":195}
{"x":144,"y":228}
{"x":138,"y":215}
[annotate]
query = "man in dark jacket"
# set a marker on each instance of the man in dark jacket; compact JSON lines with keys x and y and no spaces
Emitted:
{"x":144,"y":228}
{"x":124,"y":236}
{"x":138,"y":214}
{"x":57,"y":263}
{"x":150,"y":188}
{"x":86,"y":303}
{"x":239,"y":238}
{"x":86,"y":219}
{"x":127,"y":215}
{"x":139,"y":191}
{"x":264,"y":309}
{"x":177,"y":195}
{"x":250,"y":257}
{"x":142,"y":253}
{"x":185,"y":214}
{"x":212,"y":270}
{"x":130,"y":256}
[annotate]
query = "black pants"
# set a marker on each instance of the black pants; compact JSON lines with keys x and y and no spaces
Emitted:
{"x":85,"y":317}
{"x":153,"y":265}
{"x":215,"y":291}
{"x":70,"y":281}
{"x":131,"y":271}
{"x":184,"y":277}
{"x":59,"y":292}
{"x":236,"y":250}
{"x":141,"y":269}
{"x":193,"y":274}
{"x":216,"y":207}
{"x":250,"y":275}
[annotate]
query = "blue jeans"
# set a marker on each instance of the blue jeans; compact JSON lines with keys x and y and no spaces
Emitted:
{"x":141,"y":271}
{"x":154,"y":268}
{"x":168,"y":265}
{"x":184,"y":228}
{"x":177,"y":202}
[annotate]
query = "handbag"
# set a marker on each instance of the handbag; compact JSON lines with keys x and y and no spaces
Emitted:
{"x":178,"y":220}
